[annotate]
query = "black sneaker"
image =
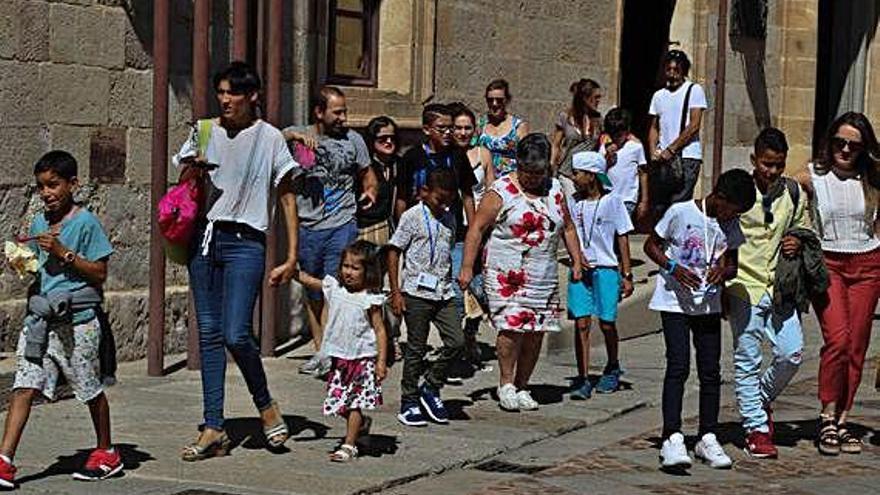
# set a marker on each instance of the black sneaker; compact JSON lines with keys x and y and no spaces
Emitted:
{"x":432,"y":405}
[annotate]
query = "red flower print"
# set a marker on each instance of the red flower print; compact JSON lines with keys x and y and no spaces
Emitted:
{"x":558,"y":199}
{"x":530,"y":230}
{"x":511,"y":283}
{"x":511,"y":188}
{"x":522,"y":319}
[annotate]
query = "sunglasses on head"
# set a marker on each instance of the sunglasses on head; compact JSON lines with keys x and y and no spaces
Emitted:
{"x":839,"y":144}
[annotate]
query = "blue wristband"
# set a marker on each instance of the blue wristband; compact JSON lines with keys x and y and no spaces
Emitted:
{"x":670,"y":266}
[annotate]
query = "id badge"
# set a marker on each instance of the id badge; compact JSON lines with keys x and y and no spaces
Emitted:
{"x":427,"y":281}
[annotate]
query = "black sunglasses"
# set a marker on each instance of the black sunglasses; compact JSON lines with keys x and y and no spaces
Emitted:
{"x":490,"y":99}
{"x":386,"y":138}
{"x":839,"y":144}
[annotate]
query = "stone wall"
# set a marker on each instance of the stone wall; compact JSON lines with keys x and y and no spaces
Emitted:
{"x":539,"y":47}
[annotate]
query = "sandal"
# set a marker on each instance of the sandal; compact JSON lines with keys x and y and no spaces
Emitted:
{"x":197,"y":451}
{"x":829,"y":439}
{"x":344,"y":453}
{"x":277,"y":433}
{"x":849,"y":443}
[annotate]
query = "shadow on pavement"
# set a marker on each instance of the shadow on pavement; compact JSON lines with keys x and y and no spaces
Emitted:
{"x":248,"y":432}
{"x":132,"y":458}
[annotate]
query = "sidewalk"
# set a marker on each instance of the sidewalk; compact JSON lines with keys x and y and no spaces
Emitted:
{"x":604,"y":445}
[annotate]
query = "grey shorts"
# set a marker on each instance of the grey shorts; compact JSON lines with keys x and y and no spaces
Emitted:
{"x":73,"y":352}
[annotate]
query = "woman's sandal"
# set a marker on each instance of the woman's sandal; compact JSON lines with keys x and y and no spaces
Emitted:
{"x":277,"y":433}
{"x":829,"y":439}
{"x":344,"y":453}
{"x":849,"y":443}
{"x":196,"y":451}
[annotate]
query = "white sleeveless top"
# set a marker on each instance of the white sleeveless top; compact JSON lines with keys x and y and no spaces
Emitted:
{"x":841,"y":206}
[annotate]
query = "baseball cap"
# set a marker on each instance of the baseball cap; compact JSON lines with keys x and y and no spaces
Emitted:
{"x":591,"y":161}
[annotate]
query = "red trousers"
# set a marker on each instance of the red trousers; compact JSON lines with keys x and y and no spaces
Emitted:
{"x":845,"y":314}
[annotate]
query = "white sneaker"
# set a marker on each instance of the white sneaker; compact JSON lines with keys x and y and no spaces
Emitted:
{"x":507,"y":398}
{"x":525,"y":401}
{"x":710,"y":451}
{"x":674,"y":453}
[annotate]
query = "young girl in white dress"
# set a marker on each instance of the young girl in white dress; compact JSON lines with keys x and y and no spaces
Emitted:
{"x":355,"y":340}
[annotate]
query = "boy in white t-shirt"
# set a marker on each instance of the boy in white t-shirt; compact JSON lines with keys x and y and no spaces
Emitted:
{"x":627,"y":165}
{"x":601,"y":221}
{"x":695,"y":244}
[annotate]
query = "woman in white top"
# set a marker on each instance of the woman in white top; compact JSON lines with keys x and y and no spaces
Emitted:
{"x":844,"y":186}
{"x":228,"y":255}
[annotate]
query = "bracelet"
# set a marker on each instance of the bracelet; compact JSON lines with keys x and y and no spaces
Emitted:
{"x":627,"y":275}
{"x":670,"y":266}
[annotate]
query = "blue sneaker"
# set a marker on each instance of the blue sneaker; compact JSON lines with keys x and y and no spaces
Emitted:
{"x":610,"y":381}
{"x":583,"y":390}
{"x":432,"y":405}
{"x":411,"y":415}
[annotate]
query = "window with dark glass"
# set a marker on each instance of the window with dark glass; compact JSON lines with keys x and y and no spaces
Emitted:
{"x":354,"y":40}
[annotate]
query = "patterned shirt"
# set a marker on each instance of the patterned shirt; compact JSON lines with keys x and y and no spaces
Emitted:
{"x":426,"y":242}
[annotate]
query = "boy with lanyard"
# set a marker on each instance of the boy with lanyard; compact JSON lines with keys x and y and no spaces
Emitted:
{"x":425,"y":235}
{"x":601,"y":221}
{"x":695,"y":244}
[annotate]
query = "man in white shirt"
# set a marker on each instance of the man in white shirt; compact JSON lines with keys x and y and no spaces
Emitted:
{"x":675,"y":131}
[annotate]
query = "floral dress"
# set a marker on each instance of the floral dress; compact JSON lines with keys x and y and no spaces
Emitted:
{"x":521,"y":277}
{"x":502,"y":148}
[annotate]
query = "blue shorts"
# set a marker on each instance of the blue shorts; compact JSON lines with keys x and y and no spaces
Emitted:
{"x":595,"y":295}
{"x":320,"y":251}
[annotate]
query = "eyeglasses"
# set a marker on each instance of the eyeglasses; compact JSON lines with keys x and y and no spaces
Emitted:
{"x":839,"y":144}
{"x":442,"y":129}
{"x":490,"y":100}
{"x":386,"y":138}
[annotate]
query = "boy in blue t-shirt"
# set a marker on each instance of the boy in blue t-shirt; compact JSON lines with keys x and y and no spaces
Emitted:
{"x":61,"y":333}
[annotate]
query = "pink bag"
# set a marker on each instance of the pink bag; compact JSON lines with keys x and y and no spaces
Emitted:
{"x":178,"y":211}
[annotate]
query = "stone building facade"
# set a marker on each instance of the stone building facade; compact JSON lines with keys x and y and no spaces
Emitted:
{"x":76,"y":74}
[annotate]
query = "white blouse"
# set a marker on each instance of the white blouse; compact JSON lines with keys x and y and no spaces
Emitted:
{"x":348,"y":334}
{"x":841,"y":206}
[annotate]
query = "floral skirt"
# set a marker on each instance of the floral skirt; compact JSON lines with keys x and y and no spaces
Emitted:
{"x":352,"y":384}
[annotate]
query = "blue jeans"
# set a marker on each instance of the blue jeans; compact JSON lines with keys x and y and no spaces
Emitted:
{"x":475,"y":286}
{"x":751,"y":326}
{"x":225,"y":285}
{"x":320,"y":251}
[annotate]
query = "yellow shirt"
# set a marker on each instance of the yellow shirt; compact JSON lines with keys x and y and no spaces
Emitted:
{"x":758,"y":256}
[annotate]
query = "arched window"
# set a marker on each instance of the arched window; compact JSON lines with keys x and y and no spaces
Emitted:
{"x":354,"y":42}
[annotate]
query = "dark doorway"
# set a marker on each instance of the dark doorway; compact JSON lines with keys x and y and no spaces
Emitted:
{"x":644,"y":40}
{"x":844,"y":28}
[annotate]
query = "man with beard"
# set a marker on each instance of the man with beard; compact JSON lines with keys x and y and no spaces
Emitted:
{"x":674,"y":136}
{"x":326,"y":199}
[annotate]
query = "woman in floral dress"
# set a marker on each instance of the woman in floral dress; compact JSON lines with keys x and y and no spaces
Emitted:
{"x":529,"y":215}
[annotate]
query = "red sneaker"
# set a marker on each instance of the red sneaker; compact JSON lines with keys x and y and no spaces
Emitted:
{"x":7,"y":474}
{"x":100,"y":465}
{"x":760,"y":445}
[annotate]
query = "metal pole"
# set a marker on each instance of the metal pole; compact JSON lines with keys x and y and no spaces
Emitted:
{"x":239,"y":30}
{"x":200,"y":68}
{"x":273,"y":115}
{"x":159,"y":179}
{"x":720,"y":76}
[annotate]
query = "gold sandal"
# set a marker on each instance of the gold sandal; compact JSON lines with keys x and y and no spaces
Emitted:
{"x":276,"y":434}
{"x":198,"y":452}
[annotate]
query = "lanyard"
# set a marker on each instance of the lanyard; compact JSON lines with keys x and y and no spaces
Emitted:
{"x":432,"y":240}
{"x":430,"y":156}
{"x":710,"y":250}
{"x":593,"y":221}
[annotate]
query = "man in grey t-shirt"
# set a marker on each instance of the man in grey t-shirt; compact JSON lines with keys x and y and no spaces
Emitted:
{"x":326,"y":198}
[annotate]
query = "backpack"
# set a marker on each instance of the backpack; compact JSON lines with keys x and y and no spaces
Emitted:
{"x":179,"y":207}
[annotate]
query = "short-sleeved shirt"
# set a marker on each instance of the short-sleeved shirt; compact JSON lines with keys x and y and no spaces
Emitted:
{"x":349,"y":333}
{"x":667,"y":106}
{"x":81,"y":233}
{"x":250,"y":166}
{"x":328,"y":199}
{"x":426,"y":242}
{"x":696,"y":242}
{"x":624,"y":174}
{"x":417,"y":163}
{"x":598,"y":222}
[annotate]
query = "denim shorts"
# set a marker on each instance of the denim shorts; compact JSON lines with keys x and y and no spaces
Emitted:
{"x":320,"y":251}
{"x":597,"y":294}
